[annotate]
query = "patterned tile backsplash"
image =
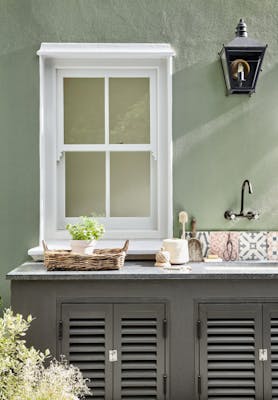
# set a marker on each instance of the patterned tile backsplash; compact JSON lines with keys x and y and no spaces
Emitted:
{"x":204,"y":238}
{"x":257,"y":246}
{"x":272,"y":246}
{"x":252,"y":246}
{"x":218,"y":244}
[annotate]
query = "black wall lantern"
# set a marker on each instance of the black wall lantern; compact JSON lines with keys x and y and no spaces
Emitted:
{"x":241,"y":61}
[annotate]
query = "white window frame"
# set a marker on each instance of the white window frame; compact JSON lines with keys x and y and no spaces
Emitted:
{"x":59,"y":60}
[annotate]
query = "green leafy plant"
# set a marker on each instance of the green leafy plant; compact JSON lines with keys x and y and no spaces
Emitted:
{"x":88,"y":229}
{"x":23,"y":374}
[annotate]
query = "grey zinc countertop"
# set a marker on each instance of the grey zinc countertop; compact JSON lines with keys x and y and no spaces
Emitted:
{"x":142,"y":270}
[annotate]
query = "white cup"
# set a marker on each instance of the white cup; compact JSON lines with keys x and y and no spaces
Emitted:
{"x":178,"y":249}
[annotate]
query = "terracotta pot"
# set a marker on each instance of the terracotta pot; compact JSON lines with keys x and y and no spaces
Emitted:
{"x":83,"y":246}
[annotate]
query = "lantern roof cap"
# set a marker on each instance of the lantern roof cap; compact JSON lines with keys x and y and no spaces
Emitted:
{"x":242,"y":39}
{"x":241,"y":29}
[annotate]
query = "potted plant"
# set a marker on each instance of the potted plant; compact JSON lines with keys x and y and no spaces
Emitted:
{"x":85,"y":234}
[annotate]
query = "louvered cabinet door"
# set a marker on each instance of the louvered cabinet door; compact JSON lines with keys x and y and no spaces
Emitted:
{"x":270,"y":332}
{"x":87,"y":338}
{"x":138,"y":335}
{"x":230,"y":338}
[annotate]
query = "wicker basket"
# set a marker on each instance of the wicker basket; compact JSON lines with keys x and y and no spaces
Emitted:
{"x":65,"y":260}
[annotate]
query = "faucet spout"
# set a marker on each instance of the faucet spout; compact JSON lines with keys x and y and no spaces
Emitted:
{"x":231,"y":215}
{"x":250,"y":190}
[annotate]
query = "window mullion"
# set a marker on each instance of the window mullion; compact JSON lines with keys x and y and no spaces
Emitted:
{"x":84,"y":147}
{"x":106,"y":109}
{"x":107,"y":183}
{"x":107,"y":153}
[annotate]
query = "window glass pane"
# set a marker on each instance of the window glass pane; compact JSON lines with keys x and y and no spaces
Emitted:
{"x":84,"y":110}
{"x":130,"y":184}
{"x":85,"y":184}
{"x":129,"y":110}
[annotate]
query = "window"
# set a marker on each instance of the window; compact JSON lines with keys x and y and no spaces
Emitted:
{"x":106,"y":138}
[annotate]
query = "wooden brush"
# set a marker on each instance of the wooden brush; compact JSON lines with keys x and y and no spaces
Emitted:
{"x":183,"y":219}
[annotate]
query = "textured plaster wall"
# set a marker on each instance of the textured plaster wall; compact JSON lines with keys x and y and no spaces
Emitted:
{"x":218,"y":141}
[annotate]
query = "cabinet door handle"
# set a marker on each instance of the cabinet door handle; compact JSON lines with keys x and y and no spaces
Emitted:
{"x":113,"y":355}
{"x":262,"y":354}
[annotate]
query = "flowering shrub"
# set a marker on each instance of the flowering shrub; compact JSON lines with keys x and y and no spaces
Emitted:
{"x":23,"y":375}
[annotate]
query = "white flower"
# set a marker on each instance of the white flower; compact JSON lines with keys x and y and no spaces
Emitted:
{"x":23,"y":375}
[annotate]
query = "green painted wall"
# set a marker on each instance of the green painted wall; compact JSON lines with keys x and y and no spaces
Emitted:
{"x":218,"y":141}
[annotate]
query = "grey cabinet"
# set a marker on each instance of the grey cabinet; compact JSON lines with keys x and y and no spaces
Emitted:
{"x":238,"y":351}
{"x":119,"y":347}
{"x":270,"y":327}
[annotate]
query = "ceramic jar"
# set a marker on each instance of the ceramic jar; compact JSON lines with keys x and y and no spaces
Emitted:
{"x":178,"y":249}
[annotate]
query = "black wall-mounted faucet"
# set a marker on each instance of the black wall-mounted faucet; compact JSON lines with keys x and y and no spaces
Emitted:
{"x":231,"y":215}
{"x":246,"y":182}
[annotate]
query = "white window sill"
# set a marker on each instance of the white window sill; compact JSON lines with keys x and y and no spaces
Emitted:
{"x":136,"y":247}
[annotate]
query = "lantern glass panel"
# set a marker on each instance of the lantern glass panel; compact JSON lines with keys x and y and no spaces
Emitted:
{"x":225,"y":68}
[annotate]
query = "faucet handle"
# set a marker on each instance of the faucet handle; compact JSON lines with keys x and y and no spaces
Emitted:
{"x":252,"y":215}
{"x":230,"y":215}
